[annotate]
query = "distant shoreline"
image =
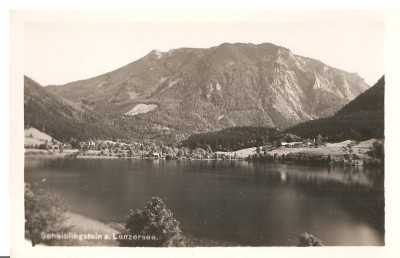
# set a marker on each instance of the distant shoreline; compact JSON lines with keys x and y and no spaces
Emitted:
{"x":62,"y":155}
{"x":336,"y":151}
{"x":88,"y":157}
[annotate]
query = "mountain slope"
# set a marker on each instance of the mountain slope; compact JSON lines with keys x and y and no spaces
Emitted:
{"x":361,"y":119}
{"x":199,"y":90}
{"x":232,"y":139}
{"x":60,"y":118}
{"x":371,"y":100}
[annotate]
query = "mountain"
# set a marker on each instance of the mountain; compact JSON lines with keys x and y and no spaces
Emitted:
{"x":61,"y":118}
{"x":170,"y":95}
{"x":361,"y":119}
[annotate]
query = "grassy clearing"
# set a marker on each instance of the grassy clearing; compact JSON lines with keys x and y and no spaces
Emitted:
{"x":334,"y":149}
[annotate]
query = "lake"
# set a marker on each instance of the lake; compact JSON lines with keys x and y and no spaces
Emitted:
{"x":237,"y":202}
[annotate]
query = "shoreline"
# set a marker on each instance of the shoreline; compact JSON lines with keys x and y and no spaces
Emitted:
{"x":278,"y":161}
{"x":88,"y":157}
{"x":336,"y":151}
{"x":287,"y":162}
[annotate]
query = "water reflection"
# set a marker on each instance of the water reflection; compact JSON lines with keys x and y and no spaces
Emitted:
{"x":238,"y":202}
{"x":289,"y":173}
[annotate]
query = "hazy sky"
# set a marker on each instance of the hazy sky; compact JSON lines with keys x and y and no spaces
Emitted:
{"x":61,"y":52}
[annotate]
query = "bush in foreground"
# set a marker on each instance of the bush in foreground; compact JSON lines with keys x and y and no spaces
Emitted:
{"x":307,"y":239}
{"x":45,"y":213}
{"x":153,"y":226}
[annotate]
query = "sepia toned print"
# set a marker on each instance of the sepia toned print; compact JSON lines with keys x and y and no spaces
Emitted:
{"x":234,"y":139}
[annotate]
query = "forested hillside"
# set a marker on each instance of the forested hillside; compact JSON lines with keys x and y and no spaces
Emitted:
{"x":236,"y":138}
{"x":63,"y":119}
{"x":361,"y":119}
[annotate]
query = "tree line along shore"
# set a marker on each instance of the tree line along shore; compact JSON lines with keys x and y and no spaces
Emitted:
{"x":316,"y":151}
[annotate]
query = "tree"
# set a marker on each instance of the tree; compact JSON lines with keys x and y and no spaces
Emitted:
{"x":44,"y":213}
{"x":130,"y":151}
{"x":154,"y":220}
{"x":179,"y":154}
{"x":379,"y":149}
{"x":208,"y":148}
{"x":307,"y":239}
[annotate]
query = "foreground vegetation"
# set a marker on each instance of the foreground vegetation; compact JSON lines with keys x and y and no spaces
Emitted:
{"x":154,"y":226}
{"x":44,"y":213}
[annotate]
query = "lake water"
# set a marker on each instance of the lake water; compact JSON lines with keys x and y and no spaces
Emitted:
{"x":232,"y":201}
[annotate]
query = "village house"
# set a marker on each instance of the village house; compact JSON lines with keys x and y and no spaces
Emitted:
{"x":155,"y":155}
{"x":291,"y":144}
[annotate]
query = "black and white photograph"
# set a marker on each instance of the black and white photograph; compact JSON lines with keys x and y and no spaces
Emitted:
{"x":176,"y":129}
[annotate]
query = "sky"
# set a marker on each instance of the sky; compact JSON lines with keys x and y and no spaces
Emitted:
{"x":58,"y":52}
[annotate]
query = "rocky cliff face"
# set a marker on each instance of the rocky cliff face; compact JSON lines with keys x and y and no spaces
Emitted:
{"x":197,"y":90}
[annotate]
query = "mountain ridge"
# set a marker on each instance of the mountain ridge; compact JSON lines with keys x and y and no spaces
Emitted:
{"x":199,"y":90}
